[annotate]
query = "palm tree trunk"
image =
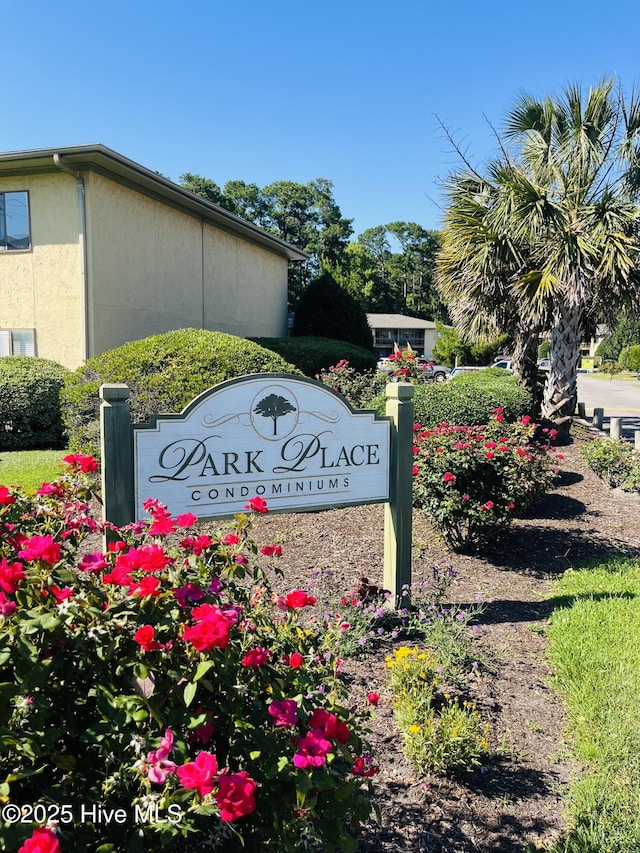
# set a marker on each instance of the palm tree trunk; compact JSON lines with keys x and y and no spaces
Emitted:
{"x":561,"y":388}
{"x":525,"y":360}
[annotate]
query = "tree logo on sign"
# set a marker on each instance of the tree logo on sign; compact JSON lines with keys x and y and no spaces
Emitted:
{"x":274,"y":406}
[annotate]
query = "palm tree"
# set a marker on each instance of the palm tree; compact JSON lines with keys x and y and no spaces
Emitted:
{"x":475,"y":268}
{"x":552,"y":229}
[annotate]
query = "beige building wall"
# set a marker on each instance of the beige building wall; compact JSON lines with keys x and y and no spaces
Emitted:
{"x":153,"y":268}
{"x":41,"y":288}
{"x":252,"y":301}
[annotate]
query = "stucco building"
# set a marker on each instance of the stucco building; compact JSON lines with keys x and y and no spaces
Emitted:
{"x":96,"y":250}
{"x":396,"y":328}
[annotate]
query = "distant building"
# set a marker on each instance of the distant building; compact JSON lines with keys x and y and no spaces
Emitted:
{"x":388,"y":329}
{"x":96,"y":250}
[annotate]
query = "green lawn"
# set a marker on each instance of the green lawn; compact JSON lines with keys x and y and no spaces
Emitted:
{"x":624,"y":376}
{"x":595,"y":651}
{"x":30,"y":468}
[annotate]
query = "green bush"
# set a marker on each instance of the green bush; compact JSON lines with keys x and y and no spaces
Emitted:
{"x":328,"y":310}
{"x":30,"y":403}
{"x":163,"y":372}
{"x":313,"y":355}
{"x":544,"y":350}
{"x":468,"y":399}
{"x":615,"y":462}
{"x":359,"y":389}
{"x":629,"y":358}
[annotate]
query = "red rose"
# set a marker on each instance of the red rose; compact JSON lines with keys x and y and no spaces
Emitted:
{"x":235,"y":795}
{"x":329,"y":725}
{"x":199,"y":774}
{"x":10,"y":575}
{"x":145,"y":636}
{"x":81,"y":461}
{"x":42,"y":840}
{"x":256,"y":657}
{"x":5,"y":497}
{"x":41,"y":548}
{"x":211,"y":629}
{"x":271,"y":550}
{"x":257,"y":505}
{"x":299,"y":598}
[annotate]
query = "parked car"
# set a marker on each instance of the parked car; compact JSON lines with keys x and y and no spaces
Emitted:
{"x":504,"y":363}
{"x":436,"y":372}
{"x":544,"y":364}
{"x":464,"y":368}
{"x":432,"y":372}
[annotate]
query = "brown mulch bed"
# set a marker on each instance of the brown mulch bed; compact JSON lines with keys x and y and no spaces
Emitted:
{"x":516,"y":798}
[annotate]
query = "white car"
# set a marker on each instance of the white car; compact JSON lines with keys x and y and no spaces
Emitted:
{"x":504,"y":363}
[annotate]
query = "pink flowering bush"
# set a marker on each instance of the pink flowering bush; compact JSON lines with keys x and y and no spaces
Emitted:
{"x":472,"y":480}
{"x":406,"y":367}
{"x":358,"y":388}
{"x":160,"y":691}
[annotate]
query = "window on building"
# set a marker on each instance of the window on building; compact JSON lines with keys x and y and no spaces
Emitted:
{"x":17,"y":342}
{"x":15,"y":232}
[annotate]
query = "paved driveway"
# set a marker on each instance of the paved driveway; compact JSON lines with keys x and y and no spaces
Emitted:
{"x":618,"y":398}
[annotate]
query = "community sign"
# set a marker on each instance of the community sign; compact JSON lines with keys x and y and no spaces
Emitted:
{"x":291,"y":441}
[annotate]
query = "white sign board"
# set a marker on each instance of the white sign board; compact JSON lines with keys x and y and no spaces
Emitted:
{"x":291,"y":441}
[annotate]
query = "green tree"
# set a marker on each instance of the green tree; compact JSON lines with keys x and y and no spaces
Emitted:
{"x":625,"y":332}
{"x":306,"y":216}
{"x":207,"y":189}
{"x":560,"y":218}
{"x":404,"y":282}
{"x":328,"y":310}
{"x":415,"y":268}
{"x":247,"y":201}
{"x":475,"y":268}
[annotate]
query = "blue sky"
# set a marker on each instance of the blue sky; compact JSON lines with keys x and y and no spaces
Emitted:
{"x":351,"y":91}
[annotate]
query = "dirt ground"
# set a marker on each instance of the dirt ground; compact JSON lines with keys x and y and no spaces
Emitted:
{"x":516,"y":797}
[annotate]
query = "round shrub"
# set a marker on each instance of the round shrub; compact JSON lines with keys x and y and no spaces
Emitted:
{"x":469,"y":399}
{"x":30,"y":403}
{"x":164,"y":373}
{"x":313,"y":355}
{"x":629,"y":358}
{"x":473,"y":480}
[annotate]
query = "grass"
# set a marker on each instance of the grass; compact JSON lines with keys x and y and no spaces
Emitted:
{"x":595,"y":651}
{"x":29,"y":468}
{"x":625,"y":375}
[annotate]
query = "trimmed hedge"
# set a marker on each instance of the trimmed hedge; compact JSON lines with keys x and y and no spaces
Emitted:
{"x":312,"y":355}
{"x":469,"y":399}
{"x":629,"y":358}
{"x":30,"y":415}
{"x":164,"y":373}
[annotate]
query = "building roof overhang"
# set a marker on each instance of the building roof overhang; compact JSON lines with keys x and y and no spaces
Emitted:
{"x":108,"y":163}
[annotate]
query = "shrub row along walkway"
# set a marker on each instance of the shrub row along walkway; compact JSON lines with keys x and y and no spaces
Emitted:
{"x":517,"y":796}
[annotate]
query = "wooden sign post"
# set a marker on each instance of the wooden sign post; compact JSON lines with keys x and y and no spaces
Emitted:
{"x":290,"y":440}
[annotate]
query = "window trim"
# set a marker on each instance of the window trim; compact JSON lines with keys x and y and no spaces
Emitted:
{"x":5,"y":250}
